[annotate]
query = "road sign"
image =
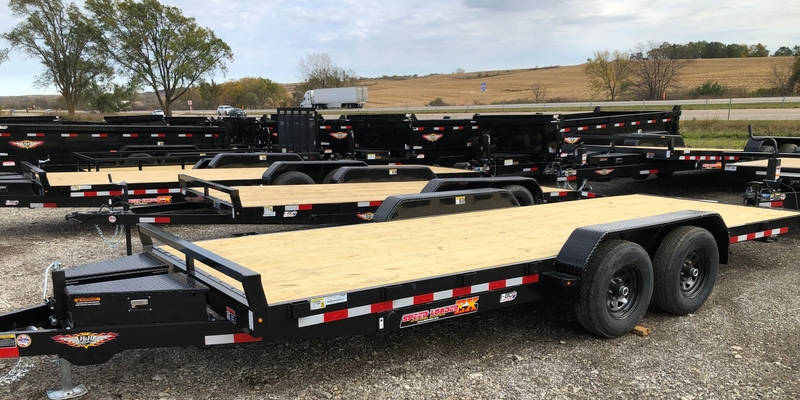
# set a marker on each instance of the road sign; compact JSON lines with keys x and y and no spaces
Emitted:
{"x":483,"y":86}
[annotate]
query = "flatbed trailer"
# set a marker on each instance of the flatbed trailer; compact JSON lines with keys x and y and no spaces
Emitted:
{"x":609,"y":256}
{"x":157,"y":184}
{"x":776,"y":182}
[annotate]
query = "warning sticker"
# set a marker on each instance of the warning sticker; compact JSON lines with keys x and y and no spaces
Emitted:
{"x":322,"y":302}
{"x":86,"y":301}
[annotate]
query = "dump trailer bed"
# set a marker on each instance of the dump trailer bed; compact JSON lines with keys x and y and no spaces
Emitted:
{"x":438,"y":246}
{"x":608,"y":256}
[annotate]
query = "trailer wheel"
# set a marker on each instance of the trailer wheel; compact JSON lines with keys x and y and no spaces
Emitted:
{"x":522,"y":194}
{"x":329,"y":176}
{"x":685,"y":267}
{"x":616,"y":289}
{"x":293,"y":178}
{"x":787,"y":148}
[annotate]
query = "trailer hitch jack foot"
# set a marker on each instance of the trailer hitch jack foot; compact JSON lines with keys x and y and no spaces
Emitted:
{"x":68,"y":390}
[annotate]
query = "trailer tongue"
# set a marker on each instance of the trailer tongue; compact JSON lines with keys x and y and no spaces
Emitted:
{"x":610,"y":255}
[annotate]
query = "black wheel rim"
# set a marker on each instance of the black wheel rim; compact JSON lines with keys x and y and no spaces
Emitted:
{"x":623,"y":292}
{"x":693,"y":273}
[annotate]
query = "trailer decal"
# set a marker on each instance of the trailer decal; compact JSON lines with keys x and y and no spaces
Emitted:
{"x":508,"y":296}
{"x":23,"y":341}
{"x":338,"y":135}
{"x":367,"y":216}
{"x":432,"y":137}
{"x":759,"y":235}
{"x":460,"y":307}
{"x":26,"y":144}
{"x":85,"y":339}
{"x":390,"y":305}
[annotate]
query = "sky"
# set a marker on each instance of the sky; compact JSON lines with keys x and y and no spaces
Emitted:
{"x":374,"y":38}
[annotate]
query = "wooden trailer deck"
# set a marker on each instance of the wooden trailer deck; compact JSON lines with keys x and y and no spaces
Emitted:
{"x":310,"y":263}
{"x":786,"y":163}
{"x":169,"y":173}
{"x":261,"y":196}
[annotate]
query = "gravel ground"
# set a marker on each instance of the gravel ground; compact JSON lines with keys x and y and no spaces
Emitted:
{"x":744,"y":343}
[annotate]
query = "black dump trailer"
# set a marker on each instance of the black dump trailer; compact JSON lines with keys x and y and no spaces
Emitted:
{"x":610,"y":257}
{"x":369,"y":137}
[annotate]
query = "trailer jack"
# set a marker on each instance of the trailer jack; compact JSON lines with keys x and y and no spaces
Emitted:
{"x":68,"y":389}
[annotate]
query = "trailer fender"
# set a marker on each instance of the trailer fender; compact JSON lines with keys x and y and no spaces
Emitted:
{"x":499,"y":182}
{"x":317,"y":170}
{"x":442,"y":203}
{"x":381,"y":173}
{"x":647,"y":232}
{"x":242,"y":160}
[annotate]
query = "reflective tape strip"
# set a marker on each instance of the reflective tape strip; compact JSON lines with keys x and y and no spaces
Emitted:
{"x":530,"y":169}
{"x":458,"y":128}
{"x":211,"y":340}
{"x":636,"y":122}
{"x":700,"y":158}
{"x":651,"y":121}
{"x":154,"y":220}
{"x":43,"y":205}
{"x":158,"y":135}
{"x":390,"y":305}
{"x":564,"y":130}
{"x":139,"y":192}
{"x":588,"y":195}
{"x":369,"y":203}
{"x":758,"y":235}
{"x":9,"y":163}
{"x":558,"y":194}
{"x":298,"y":207}
{"x":96,"y":194}
{"x":648,"y":171}
{"x":9,"y":352}
{"x":38,"y":134}
{"x":771,"y":204}
{"x":130,"y":135}
{"x":618,"y":124}
{"x":99,"y":135}
{"x":601,"y":126}
{"x":583,"y":128}
{"x":69,"y":135}
{"x":184,"y":135}
{"x":208,"y":135}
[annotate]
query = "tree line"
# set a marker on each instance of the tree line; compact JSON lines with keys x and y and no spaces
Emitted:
{"x":649,"y":71}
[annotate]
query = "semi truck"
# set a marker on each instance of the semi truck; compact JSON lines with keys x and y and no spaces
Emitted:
{"x":346,"y":97}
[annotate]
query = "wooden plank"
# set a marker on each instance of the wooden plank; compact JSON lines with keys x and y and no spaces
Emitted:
{"x":786,"y":163}
{"x":303,"y":264}
{"x":152,"y":176}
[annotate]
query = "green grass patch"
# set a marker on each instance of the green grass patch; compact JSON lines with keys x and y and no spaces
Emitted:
{"x":733,"y":134}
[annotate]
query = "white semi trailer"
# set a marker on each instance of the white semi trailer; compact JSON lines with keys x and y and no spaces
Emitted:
{"x":345,"y":97}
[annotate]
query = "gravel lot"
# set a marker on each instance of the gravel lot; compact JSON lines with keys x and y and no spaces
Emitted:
{"x":744,"y":343}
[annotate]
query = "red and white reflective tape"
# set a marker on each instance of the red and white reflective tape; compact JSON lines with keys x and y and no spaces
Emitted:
{"x":325,"y":127}
{"x":666,"y":120}
{"x":158,"y":135}
{"x":418,"y":129}
{"x":618,"y":124}
{"x":475,"y":127}
{"x":530,"y":169}
{"x":731,"y":158}
{"x":345,"y":127}
{"x":96,"y":194}
{"x":601,"y":126}
{"x":43,"y":205}
{"x":208,"y":135}
{"x":184,"y":135}
{"x":636,"y":122}
{"x":369,"y":203}
{"x":558,"y":194}
{"x":700,"y":158}
{"x":390,"y":305}
{"x":154,"y":220}
{"x":572,"y":178}
{"x":5,"y":134}
{"x":298,"y":207}
{"x":211,"y":340}
{"x":438,"y":128}
{"x":69,"y":135}
{"x":563,"y":130}
{"x":758,"y":235}
{"x":583,"y":128}
{"x":130,"y":135}
{"x":37,"y":134}
{"x":588,"y":195}
{"x":9,"y":163}
{"x":420,"y":155}
{"x":648,"y":171}
{"x":651,"y":121}
{"x":458,"y":128}
{"x":771,"y":204}
{"x":99,"y":135}
{"x":139,"y":192}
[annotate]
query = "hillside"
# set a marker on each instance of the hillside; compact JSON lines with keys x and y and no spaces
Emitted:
{"x":567,"y":83}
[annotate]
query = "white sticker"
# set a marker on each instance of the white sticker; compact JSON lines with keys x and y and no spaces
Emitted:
{"x":461,"y":200}
{"x":262,"y":157}
{"x":322,"y":302}
{"x":392,"y":171}
{"x":508,"y":161}
{"x":12,"y":202}
{"x":508,"y":296}
{"x":370,"y":156}
{"x":730,"y":167}
{"x":269,"y":212}
{"x":80,"y":187}
{"x":289,"y":214}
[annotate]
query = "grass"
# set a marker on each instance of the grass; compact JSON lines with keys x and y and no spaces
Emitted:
{"x":733,"y":134}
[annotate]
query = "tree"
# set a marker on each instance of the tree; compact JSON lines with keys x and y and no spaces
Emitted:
{"x":169,"y":51}
{"x":655,"y":72}
{"x":757,"y":50}
{"x":317,"y":70}
{"x":609,"y":73}
{"x":782,"y":51}
{"x":254,"y":93}
{"x":61,"y":37}
{"x":539,"y":92}
{"x":114,"y":98}
{"x":210,"y":92}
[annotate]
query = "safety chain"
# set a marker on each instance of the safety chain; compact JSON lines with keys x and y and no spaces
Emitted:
{"x":16,"y":373}
{"x":116,"y":238}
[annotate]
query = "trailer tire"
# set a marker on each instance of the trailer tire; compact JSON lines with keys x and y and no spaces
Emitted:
{"x":616,"y":289}
{"x":293,"y":178}
{"x":329,"y":176}
{"x":787,"y":148}
{"x":522,"y":194}
{"x":685,"y":267}
{"x":767,"y":149}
